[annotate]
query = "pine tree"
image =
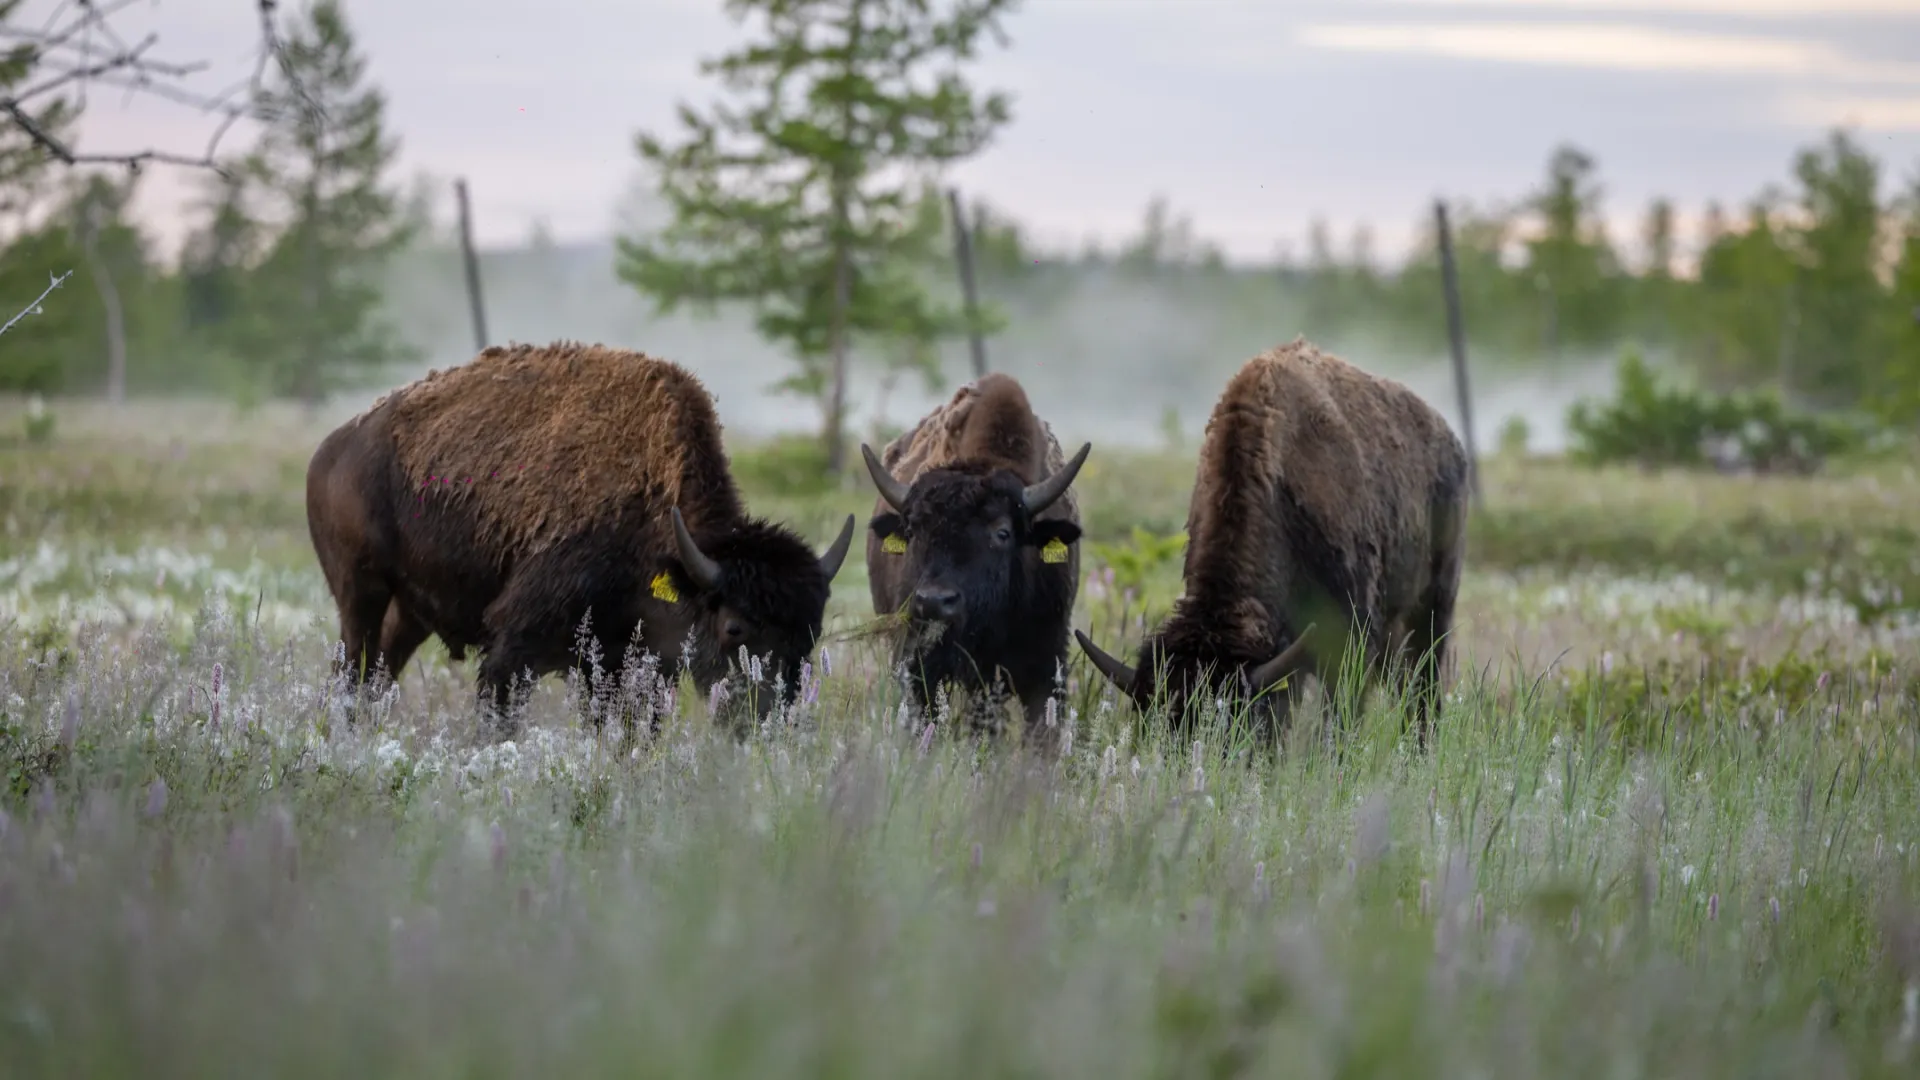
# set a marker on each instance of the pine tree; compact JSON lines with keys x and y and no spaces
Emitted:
{"x":801,"y":201}
{"x":1572,"y":256}
{"x":319,"y":177}
{"x":1837,"y":249}
{"x":25,"y":164}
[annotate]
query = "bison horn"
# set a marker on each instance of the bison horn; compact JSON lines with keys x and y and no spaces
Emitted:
{"x":1120,"y":674}
{"x":704,"y":571}
{"x":891,"y":489}
{"x":1038,"y":497}
{"x":1269,"y":674}
{"x":837,"y":553}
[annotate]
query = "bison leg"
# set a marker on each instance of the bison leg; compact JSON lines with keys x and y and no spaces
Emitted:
{"x":1425,"y":655}
{"x":363,"y":602}
{"x":400,"y":637}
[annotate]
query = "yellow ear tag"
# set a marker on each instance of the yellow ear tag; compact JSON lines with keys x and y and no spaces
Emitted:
{"x":663,"y":588}
{"x":1054,"y":551}
{"x":893,"y":544}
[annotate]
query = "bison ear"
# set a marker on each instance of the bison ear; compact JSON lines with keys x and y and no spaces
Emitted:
{"x":1048,"y":531}
{"x":888,"y":525}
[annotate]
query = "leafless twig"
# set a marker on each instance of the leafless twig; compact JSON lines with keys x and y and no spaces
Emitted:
{"x":79,"y":47}
{"x":35,"y":306}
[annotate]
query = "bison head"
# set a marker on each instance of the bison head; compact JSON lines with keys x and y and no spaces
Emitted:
{"x":758,"y":587}
{"x":1177,"y":673}
{"x":967,"y":530}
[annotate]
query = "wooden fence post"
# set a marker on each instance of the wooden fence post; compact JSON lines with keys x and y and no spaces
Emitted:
{"x":1457,"y":342}
{"x":473,"y":266}
{"x":963,"y":254}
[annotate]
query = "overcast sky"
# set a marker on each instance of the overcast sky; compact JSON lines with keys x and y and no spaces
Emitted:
{"x":1251,"y":115}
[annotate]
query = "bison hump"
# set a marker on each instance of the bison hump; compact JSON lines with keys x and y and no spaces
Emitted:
{"x":540,"y":440}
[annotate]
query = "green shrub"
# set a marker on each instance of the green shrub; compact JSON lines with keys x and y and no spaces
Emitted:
{"x":1654,"y":424}
{"x":786,"y":465}
{"x":1134,"y":560}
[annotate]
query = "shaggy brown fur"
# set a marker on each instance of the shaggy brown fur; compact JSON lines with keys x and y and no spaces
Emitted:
{"x":500,"y":503}
{"x":965,"y":465}
{"x":1325,"y":496}
{"x":592,"y":428}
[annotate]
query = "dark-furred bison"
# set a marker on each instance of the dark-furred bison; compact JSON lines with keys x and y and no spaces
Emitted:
{"x":1329,"y":509}
{"x":975,"y":543}
{"x":499,"y":503}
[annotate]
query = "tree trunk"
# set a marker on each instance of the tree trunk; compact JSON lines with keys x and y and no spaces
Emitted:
{"x":116,"y":316}
{"x":842,"y":268}
{"x":837,"y":393}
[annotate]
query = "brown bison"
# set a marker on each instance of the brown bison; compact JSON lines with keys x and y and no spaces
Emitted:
{"x":500,"y":503}
{"x":1325,"y":497}
{"x":974,"y":542}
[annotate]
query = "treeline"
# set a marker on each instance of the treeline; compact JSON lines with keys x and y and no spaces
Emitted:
{"x":1811,"y":287}
{"x":309,"y":269}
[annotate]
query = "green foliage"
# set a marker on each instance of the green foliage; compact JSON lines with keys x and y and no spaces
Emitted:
{"x":313,"y":319}
{"x":1142,"y":556}
{"x":1512,"y":438}
{"x":781,"y":201}
{"x":790,"y":465}
{"x":1656,"y":423}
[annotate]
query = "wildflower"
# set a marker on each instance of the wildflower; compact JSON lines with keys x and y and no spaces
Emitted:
{"x":976,"y":855}
{"x":926,"y":739}
{"x":1713,"y":907}
{"x":156,"y":797}
{"x":1773,"y":905}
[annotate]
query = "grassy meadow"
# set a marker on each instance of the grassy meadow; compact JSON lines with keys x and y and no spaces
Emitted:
{"x":1669,"y":826}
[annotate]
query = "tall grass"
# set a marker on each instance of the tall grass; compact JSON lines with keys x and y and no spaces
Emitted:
{"x":1667,"y":827}
{"x":229,"y":881}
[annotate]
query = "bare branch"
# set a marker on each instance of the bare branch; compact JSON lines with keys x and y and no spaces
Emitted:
{"x":35,"y":306}
{"x":79,"y":46}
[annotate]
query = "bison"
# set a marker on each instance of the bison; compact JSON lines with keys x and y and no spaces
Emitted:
{"x":974,"y":543}
{"x":1327,"y":499}
{"x":499,"y":503}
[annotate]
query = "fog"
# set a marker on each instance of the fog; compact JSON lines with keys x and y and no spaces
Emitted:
{"x":1103,"y":356}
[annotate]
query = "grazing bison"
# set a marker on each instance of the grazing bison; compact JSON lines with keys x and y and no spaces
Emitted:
{"x":975,"y":535}
{"x":499,"y":503}
{"x":1325,"y":497}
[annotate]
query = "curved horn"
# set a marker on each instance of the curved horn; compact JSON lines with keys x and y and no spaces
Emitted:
{"x":1264,"y":677}
{"x":704,"y":571}
{"x":891,"y":489}
{"x":1038,"y":497}
{"x":1119,"y":673}
{"x":837,"y":553}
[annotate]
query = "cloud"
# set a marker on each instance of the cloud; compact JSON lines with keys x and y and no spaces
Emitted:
{"x":1610,"y":46}
{"x":1885,"y":114}
{"x":1782,"y":9}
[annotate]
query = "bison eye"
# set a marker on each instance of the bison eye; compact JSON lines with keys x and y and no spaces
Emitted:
{"x":1003,"y":534}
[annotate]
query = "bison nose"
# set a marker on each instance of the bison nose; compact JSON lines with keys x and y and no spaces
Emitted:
{"x":936,"y":603}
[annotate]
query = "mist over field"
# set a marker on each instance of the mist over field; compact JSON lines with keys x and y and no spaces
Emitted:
{"x":1104,"y":357}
